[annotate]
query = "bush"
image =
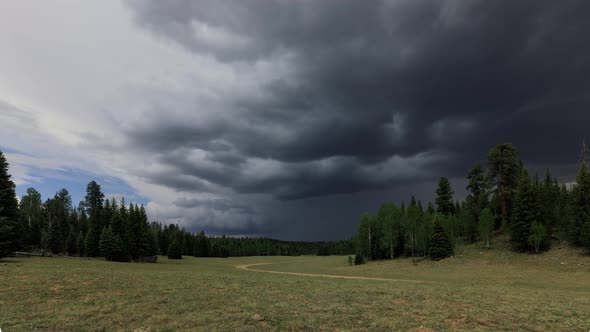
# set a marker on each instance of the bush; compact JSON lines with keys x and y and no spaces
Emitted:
{"x":174,"y":250}
{"x":350,"y":260}
{"x":358,"y":259}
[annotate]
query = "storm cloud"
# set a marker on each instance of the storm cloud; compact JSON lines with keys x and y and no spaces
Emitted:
{"x":309,"y":106}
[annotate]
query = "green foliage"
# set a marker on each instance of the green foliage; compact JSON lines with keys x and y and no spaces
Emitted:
{"x":525,"y":213}
{"x":91,"y":243}
{"x":440,"y":246}
{"x":350,"y":260}
{"x":580,"y":205}
{"x":585,"y":236}
{"x":10,"y":234}
{"x":174,"y":250}
{"x":358,"y":259}
{"x":444,"y":197}
{"x":56,"y":241}
{"x":503,"y":172}
{"x":201,"y":245}
{"x":71,"y":246}
{"x":324,"y":251}
{"x":80,"y":244}
{"x":538,"y":233}
{"x":31,"y":216}
{"x":111,"y":246}
{"x":476,"y":200}
{"x":486,"y":226}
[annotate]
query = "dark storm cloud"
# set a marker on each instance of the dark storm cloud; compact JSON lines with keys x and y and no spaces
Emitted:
{"x":219,"y":204}
{"x":371,"y":81}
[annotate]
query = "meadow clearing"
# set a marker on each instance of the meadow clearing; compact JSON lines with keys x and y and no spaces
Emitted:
{"x":475,"y":290}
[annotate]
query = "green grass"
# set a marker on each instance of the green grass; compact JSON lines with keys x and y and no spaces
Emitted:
{"x":476,"y":290}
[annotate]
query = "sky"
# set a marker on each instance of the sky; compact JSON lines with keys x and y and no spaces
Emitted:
{"x":282,"y":118}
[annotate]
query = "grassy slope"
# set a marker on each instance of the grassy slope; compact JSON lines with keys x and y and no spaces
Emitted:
{"x":477,"y":290}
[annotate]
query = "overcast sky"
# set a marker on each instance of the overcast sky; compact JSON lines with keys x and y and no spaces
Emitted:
{"x":285,"y":118}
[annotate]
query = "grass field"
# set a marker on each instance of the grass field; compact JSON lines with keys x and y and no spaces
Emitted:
{"x":476,"y":290}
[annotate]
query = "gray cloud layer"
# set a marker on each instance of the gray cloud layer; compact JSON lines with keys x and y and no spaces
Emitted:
{"x":372,"y":80}
{"x":286,"y":118}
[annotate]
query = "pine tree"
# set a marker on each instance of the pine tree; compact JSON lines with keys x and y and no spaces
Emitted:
{"x":201,"y":245}
{"x":31,"y":215}
{"x":503,"y":171}
{"x":580,"y":204}
{"x":525,"y":213}
{"x":174,"y":250}
{"x":476,"y":201}
{"x":444,"y":197}
{"x":71,"y":246}
{"x":585,"y":236}
{"x":10,"y":238}
{"x":549,"y":202}
{"x":80,"y":244}
{"x":94,"y":200}
{"x":91,"y":244}
{"x":440,"y":246}
{"x":56,"y":241}
{"x":111,"y":247}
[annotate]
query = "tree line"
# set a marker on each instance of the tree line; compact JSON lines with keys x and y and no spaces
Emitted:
{"x":118,"y":231}
{"x":503,"y":198}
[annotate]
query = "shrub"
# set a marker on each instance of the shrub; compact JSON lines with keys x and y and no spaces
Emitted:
{"x":358,"y":259}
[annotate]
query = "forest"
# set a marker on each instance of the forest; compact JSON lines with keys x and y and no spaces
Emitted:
{"x":118,"y":231}
{"x":503,"y":200}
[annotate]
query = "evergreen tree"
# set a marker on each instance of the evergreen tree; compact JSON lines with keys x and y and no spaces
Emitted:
{"x":111,"y":247}
{"x":585,"y":236}
{"x":503,"y":171}
{"x":94,"y":200}
{"x":549,"y":201}
{"x":476,"y":201}
{"x":580,"y":204}
{"x":71,"y":246}
{"x":525,"y":213}
{"x":91,"y":244}
{"x":174,"y":250}
{"x":31,"y":215}
{"x":430,"y":208}
{"x":440,"y":246}
{"x":201,"y":245}
{"x":444,"y":197}
{"x":486,"y":225}
{"x":10,"y":237}
{"x":80,"y":244}
{"x":56,"y":241}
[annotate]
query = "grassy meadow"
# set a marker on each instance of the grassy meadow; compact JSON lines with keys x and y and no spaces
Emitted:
{"x":475,"y":290}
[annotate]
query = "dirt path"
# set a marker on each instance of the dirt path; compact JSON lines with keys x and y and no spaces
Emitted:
{"x":332,"y":276}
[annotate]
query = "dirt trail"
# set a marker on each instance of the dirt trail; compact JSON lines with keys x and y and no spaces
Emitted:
{"x":332,"y":276}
